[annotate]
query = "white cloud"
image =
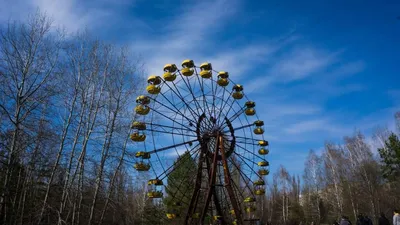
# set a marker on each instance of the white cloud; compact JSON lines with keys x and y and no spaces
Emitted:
{"x":70,"y":14}
{"x":176,"y":152}
{"x":347,"y":69}
{"x":64,"y":13}
{"x":315,"y":125}
{"x":301,"y":63}
{"x":192,"y":35}
{"x":242,"y":59}
{"x":279,"y":110}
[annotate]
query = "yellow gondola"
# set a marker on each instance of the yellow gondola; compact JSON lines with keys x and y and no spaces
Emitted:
{"x":263,"y":151}
{"x":206,"y":70}
{"x":187,"y":69}
{"x":223,"y":74}
{"x":170,"y":68}
{"x":142,"y":99}
{"x":141,"y":166}
{"x":156,"y":182}
{"x":238,"y":87}
{"x":143,"y":155}
{"x":188,"y":63}
{"x":153,"y":89}
{"x":171,"y":216}
{"x":154,"y":194}
{"x":237,"y":94}
{"x":260,"y":192}
{"x":249,"y":199}
{"x":259,"y":123}
{"x":142,"y":108}
{"x":217,"y":217}
{"x":156,"y":80}
{"x":250,"y":209}
{"x":154,"y":191}
{"x":263,"y":172}
{"x":250,"y":104}
{"x":137,"y":137}
{"x":263,"y":163}
{"x":187,"y":72}
{"x":263,"y":143}
{"x":259,"y":182}
{"x":168,"y":76}
{"x":249,"y":206}
{"x":206,"y":66}
{"x":223,"y":82}
{"x":206,"y":74}
{"x":223,"y":79}
{"x":258,"y":130}
{"x":138,"y":125}
{"x":250,"y":111}
{"x":174,"y":211}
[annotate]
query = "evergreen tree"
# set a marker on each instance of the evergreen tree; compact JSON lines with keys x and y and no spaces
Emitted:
{"x":390,"y":155}
{"x":180,"y":185}
{"x":153,"y":214}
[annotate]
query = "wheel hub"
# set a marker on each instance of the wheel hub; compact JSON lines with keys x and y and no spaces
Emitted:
{"x":207,"y":132}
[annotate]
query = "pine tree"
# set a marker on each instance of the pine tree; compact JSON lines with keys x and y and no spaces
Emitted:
{"x":390,"y":155}
{"x":180,"y":185}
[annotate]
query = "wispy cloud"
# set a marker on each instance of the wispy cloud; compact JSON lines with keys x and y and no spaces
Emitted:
{"x":275,"y":109}
{"x":347,"y":69}
{"x":193,"y":35}
{"x":176,"y":152}
{"x":314,"y":125}
{"x":301,"y":63}
{"x":72,"y":15}
{"x":297,"y":64}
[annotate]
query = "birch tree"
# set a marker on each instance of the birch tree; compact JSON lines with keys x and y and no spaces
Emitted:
{"x":313,"y":179}
{"x":29,"y":54}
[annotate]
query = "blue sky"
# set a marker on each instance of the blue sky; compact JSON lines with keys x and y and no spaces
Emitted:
{"x":318,"y":70}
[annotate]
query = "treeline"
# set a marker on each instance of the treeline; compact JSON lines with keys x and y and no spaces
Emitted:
{"x":345,"y":179}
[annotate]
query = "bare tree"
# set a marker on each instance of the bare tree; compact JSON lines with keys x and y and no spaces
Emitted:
{"x":118,"y":94}
{"x":29,"y":56}
{"x":313,"y":179}
{"x":333,"y":174}
{"x":365,"y":170}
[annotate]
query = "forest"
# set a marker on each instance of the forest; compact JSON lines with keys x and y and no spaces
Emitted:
{"x":65,"y":152}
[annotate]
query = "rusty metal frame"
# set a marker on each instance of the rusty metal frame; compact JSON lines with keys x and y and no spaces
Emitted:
{"x":219,"y":154}
{"x":212,"y":160}
{"x":228,"y":185}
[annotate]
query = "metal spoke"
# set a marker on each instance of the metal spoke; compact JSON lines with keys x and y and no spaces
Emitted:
{"x":171,"y":127}
{"x":168,"y":132}
{"x":249,"y":152}
{"x":171,"y":146}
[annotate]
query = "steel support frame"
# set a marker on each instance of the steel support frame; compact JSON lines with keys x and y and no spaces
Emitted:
{"x":212,"y":171}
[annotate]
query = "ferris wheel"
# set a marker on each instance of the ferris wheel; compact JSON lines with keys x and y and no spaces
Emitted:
{"x":203,"y":121}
